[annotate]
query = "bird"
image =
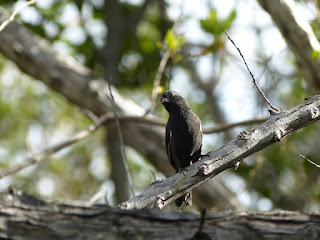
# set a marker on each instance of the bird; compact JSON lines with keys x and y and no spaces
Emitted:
{"x":183,"y":137}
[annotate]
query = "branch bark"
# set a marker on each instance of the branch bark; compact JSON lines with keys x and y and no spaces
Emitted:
{"x":299,"y":37}
{"x":231,"y":154}
{"x":24,"y":216}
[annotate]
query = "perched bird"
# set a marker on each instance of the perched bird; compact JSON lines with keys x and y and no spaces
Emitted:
{"x":183,"y":136}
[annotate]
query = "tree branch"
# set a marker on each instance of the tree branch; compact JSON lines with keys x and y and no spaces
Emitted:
{"x":248,"y":142}
{"x":313,"y":163}
{"x":162,"y":66}
{"x":252,"y":76}
{"x":24,"y":216}
{"x":157,"y":80}
{"x":15,"y":12}
{"x":227,"y":126}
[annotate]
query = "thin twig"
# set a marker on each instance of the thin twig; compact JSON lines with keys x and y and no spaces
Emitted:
{"x":156,"y":83}
{"x":90,"y":114}
{"x":161,"y":68}
{"x":123,"y":153}
{"x":227,"y":126}
{"x":15,"y":12}
{"x":252,"y":76}
{"x":154,"y":175}
{"x":313,"y":163}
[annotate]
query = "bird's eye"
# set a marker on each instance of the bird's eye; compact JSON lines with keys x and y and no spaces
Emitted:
{"x":172,"y":94}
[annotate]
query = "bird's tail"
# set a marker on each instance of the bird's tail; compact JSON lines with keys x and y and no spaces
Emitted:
{"x":187,"y":199}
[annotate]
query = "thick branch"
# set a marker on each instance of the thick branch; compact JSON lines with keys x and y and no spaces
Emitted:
{"x":278,"y":126}
{"x":24,"y":216}
{"x":299,"y":36}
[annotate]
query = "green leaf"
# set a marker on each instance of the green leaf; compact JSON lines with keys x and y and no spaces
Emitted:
{"x":315,"y":54}
{"x":173,"y":41}
{"x":214,"y":25}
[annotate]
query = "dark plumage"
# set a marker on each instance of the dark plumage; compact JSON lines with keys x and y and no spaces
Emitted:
{"x":183,"y":135}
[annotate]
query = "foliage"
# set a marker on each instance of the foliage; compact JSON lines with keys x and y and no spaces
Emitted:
{"x":216,"y":27}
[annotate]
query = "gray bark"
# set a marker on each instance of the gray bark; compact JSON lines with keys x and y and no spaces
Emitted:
{"x":24,"y":216}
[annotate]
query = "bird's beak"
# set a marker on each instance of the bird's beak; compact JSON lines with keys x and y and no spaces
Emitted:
{"x":164,"y":100}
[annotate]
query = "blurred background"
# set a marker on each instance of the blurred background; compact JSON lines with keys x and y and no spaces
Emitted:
{"x":125,"y":41}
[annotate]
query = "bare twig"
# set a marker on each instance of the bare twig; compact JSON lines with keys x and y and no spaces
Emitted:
{"x":15,"y":12}
{"x":313,"y":163}
{"x":252,"y":76}
{"x":156,"y":83}
{"x":154,"y":175}
{"x":90,"y":114}
{"x":123,"y":153}
{"x":227,"y":126}
{"x":162,"y":66}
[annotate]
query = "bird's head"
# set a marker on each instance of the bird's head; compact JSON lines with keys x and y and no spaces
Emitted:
{"x":173,"y":101}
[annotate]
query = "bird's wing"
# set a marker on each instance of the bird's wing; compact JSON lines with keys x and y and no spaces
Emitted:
{"x":168,"y":139}
{"x":197,"y":137}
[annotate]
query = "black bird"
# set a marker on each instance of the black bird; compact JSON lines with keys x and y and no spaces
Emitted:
{"x":183,"y":136}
